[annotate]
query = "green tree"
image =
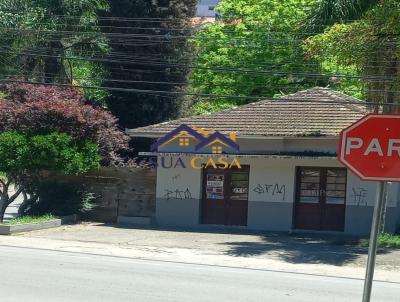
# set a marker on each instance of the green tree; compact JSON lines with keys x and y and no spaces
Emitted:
{"x":254,"y":50}
{"x":156,"y":52}
{"x":364,"y":42}
{"x":325,"y":13}
{"x":52,"y":129}
{"x":52,"y":40}
{"x":27,"y":158}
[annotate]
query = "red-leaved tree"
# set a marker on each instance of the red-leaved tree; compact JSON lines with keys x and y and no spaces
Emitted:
{"x":60,"y":122}
{"x":37,"y":109}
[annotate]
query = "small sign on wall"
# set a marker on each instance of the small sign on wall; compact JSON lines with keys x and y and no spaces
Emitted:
{"x":215,"y":183}
{"x":240,"y":190}
{"x":215,"y":186}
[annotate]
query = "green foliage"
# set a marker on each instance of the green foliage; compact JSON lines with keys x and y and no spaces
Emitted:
{"x":27,"y":159}
{"x":385,"y":240}
{"x":256,"y":49}
{"x":329,"y":12}
{"x":41,"y":109}
{"x":61,"y":199}
{"x":31,"y":219}
{"x":206,"y":106}
{"x":89,"y":74}
{"x":48,"y":39}
{"x":153,"y":62}
{"x":23,"y":154}
{"x":389,"y":240}
{"x":14,"y":150}
{"x":366,"y":48}
{"x":348,"y":40}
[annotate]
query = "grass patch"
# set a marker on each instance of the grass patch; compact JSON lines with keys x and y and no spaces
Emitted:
{"x":29,"y":219}
{"x":385,"y":240}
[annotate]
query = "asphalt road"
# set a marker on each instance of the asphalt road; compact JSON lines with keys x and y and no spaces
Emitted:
{"x":39,"y":275}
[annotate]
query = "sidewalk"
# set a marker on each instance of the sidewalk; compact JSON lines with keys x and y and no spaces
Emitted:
{"x":323,"y":255}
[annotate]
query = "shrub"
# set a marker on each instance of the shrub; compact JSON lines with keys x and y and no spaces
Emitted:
{"x":61,"y":199}
{"x":24,"y":154}
{"x":24,"y":159}
{"x":33,"y":109}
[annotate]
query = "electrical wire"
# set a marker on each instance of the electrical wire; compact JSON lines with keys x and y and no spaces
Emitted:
{"x":177,"y":93}
{"x":133,"y":39}
{"x":215,"y":69}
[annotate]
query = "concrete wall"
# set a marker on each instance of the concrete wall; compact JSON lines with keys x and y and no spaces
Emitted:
{"x":179,"y":195}
{"x":119,"y":192}
{"x":360,"y":201}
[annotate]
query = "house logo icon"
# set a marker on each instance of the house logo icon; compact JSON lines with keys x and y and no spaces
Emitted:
{"x":185,"y":139}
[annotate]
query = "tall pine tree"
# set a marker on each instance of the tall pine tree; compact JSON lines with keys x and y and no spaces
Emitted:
{"x":149,"y":43}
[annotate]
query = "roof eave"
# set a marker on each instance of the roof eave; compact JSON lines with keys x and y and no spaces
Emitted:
{"x":132,"y":133}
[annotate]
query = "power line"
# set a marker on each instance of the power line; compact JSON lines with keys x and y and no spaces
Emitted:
{"x":216,"y":69}
{"x":120,"y":18}
{"x":183,"y":44}
{"x":225,"y":85}
{"x":97,"y":26}
{"x":138,"y":35}
{"x":126,"y":58}
{"x":155,"y":29}
{"x":232,"y":86}
{"x":100,"y":18}
{"x":142,"y":91}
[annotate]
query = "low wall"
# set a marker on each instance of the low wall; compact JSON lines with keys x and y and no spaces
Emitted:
{"x":6,"y":229}
{"x":127,"y":192}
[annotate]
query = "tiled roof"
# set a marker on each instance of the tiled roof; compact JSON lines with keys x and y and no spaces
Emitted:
{"x":313,"y":112}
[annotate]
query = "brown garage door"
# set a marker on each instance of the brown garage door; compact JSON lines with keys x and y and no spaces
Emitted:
{"x":225,"y":196}
{"x":320,"y":198}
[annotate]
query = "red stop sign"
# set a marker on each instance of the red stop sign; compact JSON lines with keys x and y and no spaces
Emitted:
{"x":370,"y":147}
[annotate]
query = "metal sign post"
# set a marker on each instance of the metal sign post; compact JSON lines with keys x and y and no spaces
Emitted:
{"x":366,"y":148}
{"x":373,"y":242}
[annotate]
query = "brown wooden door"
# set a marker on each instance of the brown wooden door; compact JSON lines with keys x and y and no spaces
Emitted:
{"x":320,"y":198}
{"x":225,"y":196}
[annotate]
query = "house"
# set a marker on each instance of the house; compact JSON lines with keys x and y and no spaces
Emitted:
{"x":274,"y":168}
{"x":206,"y":8}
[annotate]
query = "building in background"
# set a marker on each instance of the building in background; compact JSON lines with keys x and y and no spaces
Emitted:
{"x":206,"y":8}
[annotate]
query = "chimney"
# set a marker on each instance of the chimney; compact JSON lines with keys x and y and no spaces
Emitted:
{"x":232,"y":136}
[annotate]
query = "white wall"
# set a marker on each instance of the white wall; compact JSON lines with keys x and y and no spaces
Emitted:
{"x":363,"y":193}
{"x":279,"y":175}
{"x":271,"y":180}
{"x":181,"y":179}
{"x":272,"y":187}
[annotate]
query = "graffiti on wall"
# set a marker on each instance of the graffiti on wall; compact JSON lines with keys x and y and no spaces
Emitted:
{"x":177,"y":194}
{"x":359,"y":196}
{"x":271,"y":190}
